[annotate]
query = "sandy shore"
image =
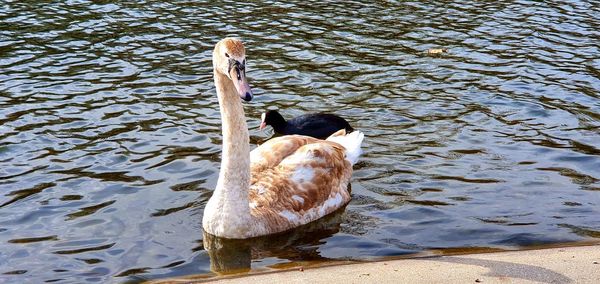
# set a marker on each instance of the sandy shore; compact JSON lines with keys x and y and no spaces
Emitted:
{"x":579,"y":264}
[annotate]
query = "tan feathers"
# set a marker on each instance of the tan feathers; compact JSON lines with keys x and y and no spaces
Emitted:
{"x":296,"y":180}
{"x":285,"y":183}
{"x":234,"y":46}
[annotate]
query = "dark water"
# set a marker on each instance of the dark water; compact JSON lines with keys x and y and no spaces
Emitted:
{"x":110,"y":131}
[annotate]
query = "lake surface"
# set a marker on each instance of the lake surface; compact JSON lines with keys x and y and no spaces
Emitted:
{"x":110,"y":130}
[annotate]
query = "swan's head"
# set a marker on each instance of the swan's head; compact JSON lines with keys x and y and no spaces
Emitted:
{"x":229,"y":59}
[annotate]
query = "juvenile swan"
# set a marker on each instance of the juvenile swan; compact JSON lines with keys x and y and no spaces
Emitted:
{"x":284,"y":183}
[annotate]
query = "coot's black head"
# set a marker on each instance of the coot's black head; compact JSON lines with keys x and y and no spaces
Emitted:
{"x":273,"y":118}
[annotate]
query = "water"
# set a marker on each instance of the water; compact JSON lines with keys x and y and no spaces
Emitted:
{"x":110,"y":131}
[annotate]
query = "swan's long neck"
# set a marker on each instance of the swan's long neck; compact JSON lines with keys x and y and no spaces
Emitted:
{"x":234,"y":176}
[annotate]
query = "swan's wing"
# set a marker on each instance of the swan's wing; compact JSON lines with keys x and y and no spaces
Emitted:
{"x":306,"y":185}
{"x":272,"y":152}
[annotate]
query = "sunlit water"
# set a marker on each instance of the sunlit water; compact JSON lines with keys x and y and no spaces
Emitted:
{"x":110,"y":130}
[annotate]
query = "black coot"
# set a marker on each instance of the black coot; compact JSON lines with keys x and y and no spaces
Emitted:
{"x":318,"y":125}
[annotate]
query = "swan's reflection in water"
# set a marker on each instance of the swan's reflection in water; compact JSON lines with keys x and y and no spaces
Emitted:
{"x":229,"y":256}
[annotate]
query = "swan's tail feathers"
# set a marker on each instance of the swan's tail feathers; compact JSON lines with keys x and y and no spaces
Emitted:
{"x":351,"y":142}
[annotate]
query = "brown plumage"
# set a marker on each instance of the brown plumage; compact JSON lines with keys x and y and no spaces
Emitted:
{"x":286,"y":182}
{"x":235,"y":47}
{"x":301,"y":173}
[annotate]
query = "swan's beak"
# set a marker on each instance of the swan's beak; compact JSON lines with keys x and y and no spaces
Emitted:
{"x":241,"y":83}
{"x":263,"y":123}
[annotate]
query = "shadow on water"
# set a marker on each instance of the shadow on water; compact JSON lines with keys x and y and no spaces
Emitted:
{"x":236,"y":256}
{"x":228,"y":256}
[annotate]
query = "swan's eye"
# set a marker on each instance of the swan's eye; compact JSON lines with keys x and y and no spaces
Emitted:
{"x":226,"y":55}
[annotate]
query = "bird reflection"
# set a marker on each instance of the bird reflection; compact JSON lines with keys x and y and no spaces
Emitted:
{"x":228,"y":256}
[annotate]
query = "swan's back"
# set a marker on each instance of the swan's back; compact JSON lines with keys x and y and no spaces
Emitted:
{"x":296,"y":180}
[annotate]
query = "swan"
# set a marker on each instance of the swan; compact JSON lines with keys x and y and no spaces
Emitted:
{"x":319,"y":125}
{"x":284,"y":183}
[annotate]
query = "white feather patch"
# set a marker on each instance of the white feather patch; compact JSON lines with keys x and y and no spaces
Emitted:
{"x":261,"y":189}
{"x":333,"y":202}
{"x":303,"y":174}
{"x":298,"y":198}
{"x":352,"y":144}
{"x":290,"y":216}
{"x":256,"y":156}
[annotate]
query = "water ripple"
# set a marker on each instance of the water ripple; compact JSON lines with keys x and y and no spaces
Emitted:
{"x":110,"y":130}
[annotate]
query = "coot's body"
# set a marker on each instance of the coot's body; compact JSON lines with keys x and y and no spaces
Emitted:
{"x":318,"y":125}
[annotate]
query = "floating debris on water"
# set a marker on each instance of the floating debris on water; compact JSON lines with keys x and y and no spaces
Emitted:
{"x":437,"y":50}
